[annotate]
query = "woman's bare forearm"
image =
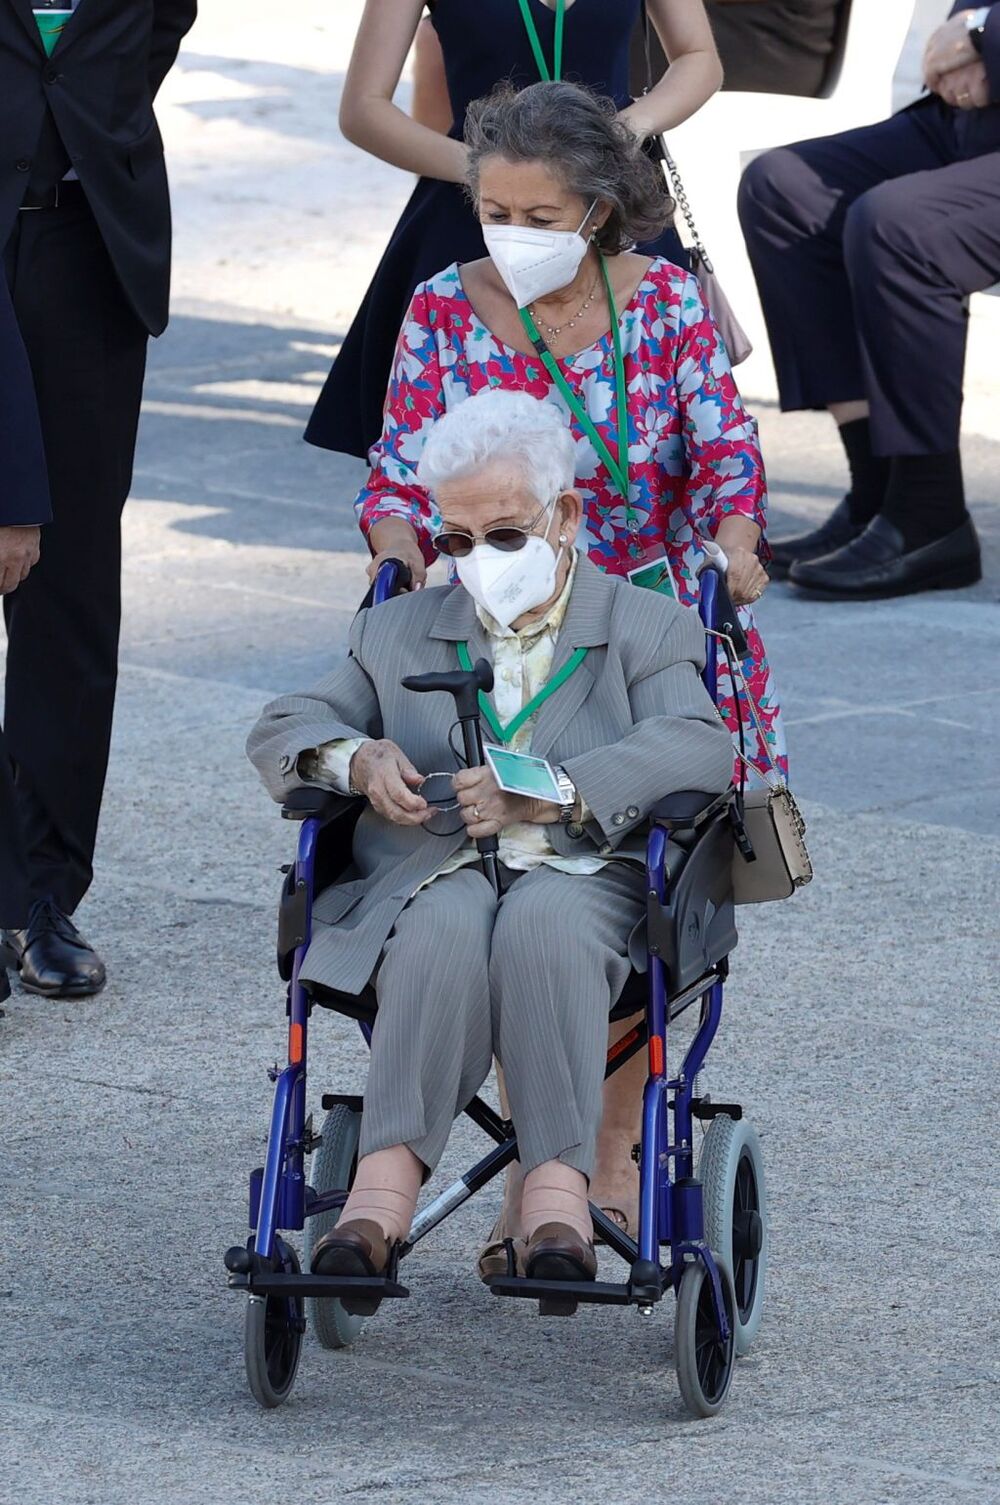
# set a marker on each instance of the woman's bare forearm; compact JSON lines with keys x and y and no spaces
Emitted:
{"x":689,"y":84}
{"x":368,"y":116}
{"x":736,"y":532}
{"x":694,"y":75}
{"x":386,"y":131}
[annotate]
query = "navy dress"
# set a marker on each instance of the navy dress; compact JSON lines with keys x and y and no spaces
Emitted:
{"x":483,"y":41}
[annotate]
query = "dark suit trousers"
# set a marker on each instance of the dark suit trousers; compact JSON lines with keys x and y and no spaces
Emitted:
{"x":13,"y":882}
{"x":87,"y":351}
{"x":865,"y":246}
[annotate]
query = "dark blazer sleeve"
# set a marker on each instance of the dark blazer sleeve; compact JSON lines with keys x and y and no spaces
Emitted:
{"x":171,"y":20}
{"x":24,"y":481}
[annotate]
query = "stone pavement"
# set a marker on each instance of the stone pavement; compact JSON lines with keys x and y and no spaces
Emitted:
{"x":860,"y":1032}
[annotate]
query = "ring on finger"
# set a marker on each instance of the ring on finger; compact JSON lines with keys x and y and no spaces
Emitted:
{"x":475,"y":812}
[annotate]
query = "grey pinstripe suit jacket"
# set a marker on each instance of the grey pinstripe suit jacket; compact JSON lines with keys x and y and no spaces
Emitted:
{"x":632,"y":724}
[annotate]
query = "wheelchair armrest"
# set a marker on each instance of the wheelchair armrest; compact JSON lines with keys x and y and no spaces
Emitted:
{"x":688,"y":809}
{"x":310,"y":801}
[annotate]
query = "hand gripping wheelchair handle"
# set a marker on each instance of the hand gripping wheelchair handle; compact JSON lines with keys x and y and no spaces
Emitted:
{"x":392,"y":578}
{"x":722,"y":615}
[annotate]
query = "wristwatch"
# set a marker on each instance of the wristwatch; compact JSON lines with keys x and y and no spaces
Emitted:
{"x":975,"y":25}
{"x":567,"y":795}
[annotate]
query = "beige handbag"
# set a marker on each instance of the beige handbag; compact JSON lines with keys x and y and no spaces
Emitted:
{"x":774,"y":825}
{"x":776,"y":829}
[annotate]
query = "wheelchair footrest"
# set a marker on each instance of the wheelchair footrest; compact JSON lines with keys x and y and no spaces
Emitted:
{"x":605,"y":1292}
{"x":307,"y":1284}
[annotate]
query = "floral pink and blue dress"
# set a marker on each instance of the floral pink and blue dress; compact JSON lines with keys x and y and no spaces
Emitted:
{"x":693,"y":452}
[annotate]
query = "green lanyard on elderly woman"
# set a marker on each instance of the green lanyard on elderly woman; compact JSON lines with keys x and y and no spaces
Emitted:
{"x":617,"y":464}
{"x":544,"y":72}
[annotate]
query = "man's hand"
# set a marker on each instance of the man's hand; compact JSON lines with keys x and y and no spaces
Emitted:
{"x":746,"y":577}
{"x":19,"y":551}
{"x":966,"y":88}
{"x":948,"y":48}
{"x":386,"y":777}
{"x":393,"y":538}
{"x":487,"y":809}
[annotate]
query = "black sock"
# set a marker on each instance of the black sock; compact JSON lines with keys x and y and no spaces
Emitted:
{"x":869,"y":472}
{"x":926,"y":497}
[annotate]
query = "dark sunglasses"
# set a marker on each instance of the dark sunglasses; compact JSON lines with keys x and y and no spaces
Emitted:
{"x":454,"y":543}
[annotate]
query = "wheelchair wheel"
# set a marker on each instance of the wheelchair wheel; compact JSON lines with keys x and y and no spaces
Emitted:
{"x":272,"y":1340}
{"x":333,"y":1167}
{"x":704,"y":1363}
{"x":731,"y":1170}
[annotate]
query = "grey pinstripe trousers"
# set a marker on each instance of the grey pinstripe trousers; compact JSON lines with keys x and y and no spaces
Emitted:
{"x":531,"y":979}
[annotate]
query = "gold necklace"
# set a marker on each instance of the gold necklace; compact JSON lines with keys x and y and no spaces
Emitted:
{"x":556,"y":329}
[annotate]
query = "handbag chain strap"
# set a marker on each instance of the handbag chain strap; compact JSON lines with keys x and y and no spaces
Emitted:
{"x":673,"y":171}
{"x":736,"y":670}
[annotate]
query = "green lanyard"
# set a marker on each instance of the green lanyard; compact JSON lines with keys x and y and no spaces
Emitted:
{"x":536,"y":45}
{"x":617,"y":465}
{"x":504,"y":734}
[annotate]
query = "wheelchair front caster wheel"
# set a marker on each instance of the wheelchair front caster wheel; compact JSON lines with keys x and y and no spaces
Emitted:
{"x":731,"y":1170}
{"x":704,"y":1362}
{"x":272,"y":1341}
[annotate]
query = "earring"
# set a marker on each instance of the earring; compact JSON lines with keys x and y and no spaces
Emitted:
{"x":562,"y":538}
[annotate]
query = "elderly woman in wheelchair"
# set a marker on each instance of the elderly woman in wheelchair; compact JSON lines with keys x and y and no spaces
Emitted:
{"x":490,"y":923}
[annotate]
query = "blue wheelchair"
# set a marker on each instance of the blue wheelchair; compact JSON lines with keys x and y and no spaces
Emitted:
{"x":702,"y":1227}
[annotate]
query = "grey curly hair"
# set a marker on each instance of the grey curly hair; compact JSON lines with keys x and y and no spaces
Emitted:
{"x":574,"y":132}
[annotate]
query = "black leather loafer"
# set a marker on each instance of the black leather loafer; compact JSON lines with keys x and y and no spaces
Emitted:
{"x":52,"y":956}
{"x":828,"y":537}
{"x":877,"y":565}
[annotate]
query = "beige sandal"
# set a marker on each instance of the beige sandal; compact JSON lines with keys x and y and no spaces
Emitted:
{"x":492,"y":1259}
{"x":618,"y":1217}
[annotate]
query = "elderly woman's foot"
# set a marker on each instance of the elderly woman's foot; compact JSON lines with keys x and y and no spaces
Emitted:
{"x":557,"y":1252}
{"x":376,"y":1217}
{"x":557,"y":1223}
{"x":358,"y":1247}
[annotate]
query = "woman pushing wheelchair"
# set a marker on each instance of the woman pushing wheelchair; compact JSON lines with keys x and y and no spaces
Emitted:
{"x":592,"y":675}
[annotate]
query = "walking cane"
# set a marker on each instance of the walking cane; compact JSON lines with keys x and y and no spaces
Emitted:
{"x":465,"y":685}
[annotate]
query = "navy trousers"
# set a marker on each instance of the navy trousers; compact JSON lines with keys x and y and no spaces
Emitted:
{"x":865,"y":247}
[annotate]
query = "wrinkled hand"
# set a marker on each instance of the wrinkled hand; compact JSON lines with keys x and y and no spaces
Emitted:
{"x":393,"y":538}
{"x":19,"y":552}
{"x":966,"y":88}
{"x":386,"y":777}
{"x":746,"y":577}
{"x":487,"y":809}
{"x":947,"y":48}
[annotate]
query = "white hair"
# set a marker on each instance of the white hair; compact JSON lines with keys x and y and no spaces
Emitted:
{"x":497,"y":425}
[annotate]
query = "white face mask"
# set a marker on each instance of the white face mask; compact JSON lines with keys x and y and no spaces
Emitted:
{"x":507,"y":585}
{"x":534,"y":263}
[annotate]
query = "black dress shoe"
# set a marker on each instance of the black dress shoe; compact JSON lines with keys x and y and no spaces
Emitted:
{"x":52,"y":956}
{"x":877,"y":565}
{"x":829,"y":536}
